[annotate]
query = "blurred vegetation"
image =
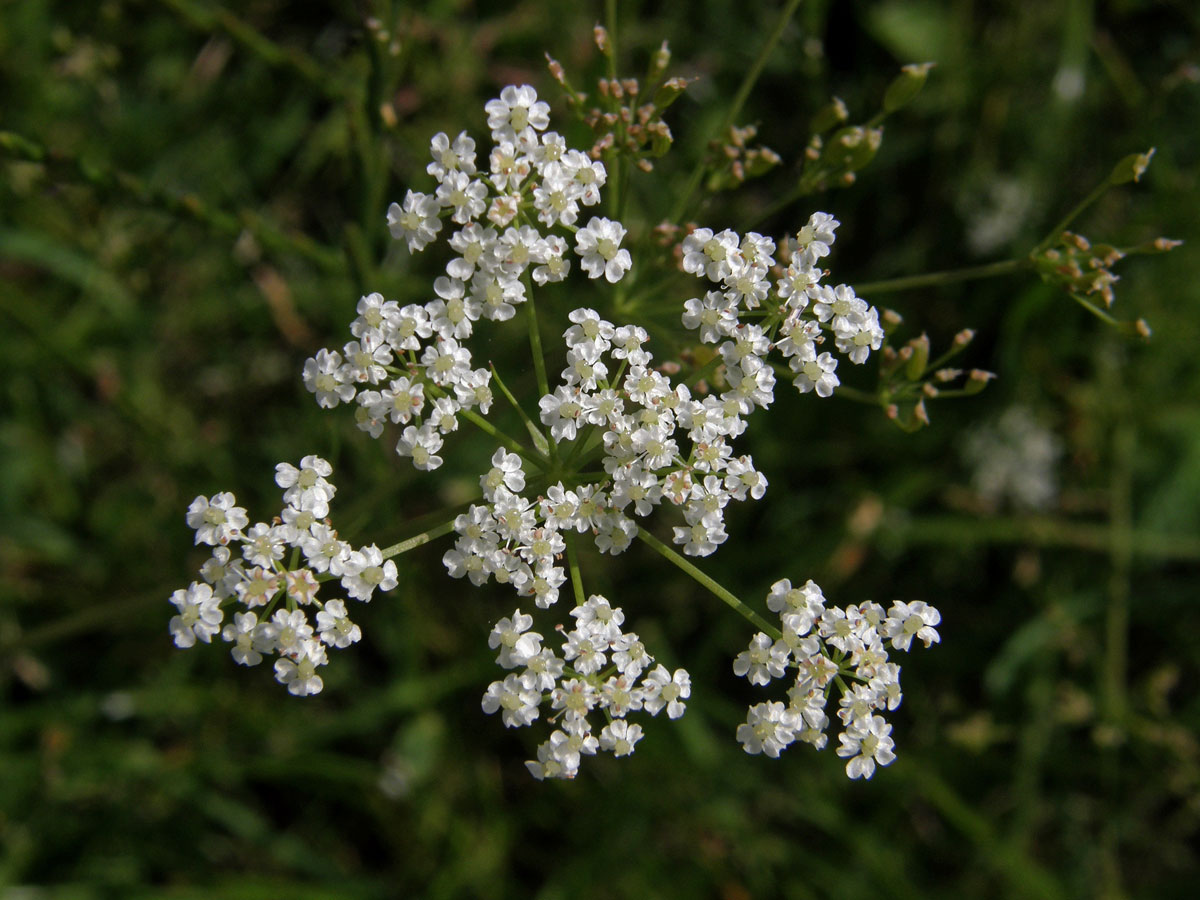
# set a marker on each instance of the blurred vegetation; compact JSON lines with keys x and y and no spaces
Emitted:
{"x":195,"y":202}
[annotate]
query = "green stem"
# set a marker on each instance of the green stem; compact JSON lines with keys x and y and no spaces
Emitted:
{"x":951,"y":276}
{"x":1035,"y":531}
{"x":615,"y":182}
{"x":573,"y":565}
{"x":1056,"y":232}
{"x":491,"y":430}
{"x":189,"y":206}
{"x":735,"y":108}
{"x":531,"y":426}
{"x":539,"y":359}
{"x":418,"y":539}
{"x":721,"y":592}
{"x":208,"y":19}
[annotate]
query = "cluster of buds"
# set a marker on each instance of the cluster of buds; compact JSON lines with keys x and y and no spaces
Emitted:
{"x":837,"y":150}
{"x":732,"y":160}
{"x":1080,"y":267}
{"x":628,"y":117}
{"x":908,"y":377}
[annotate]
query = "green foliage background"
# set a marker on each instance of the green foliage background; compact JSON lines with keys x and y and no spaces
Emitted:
{"x":210,"y":212}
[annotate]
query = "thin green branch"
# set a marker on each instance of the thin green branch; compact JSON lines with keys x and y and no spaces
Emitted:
{"x":706,"y":581}
{"x":1055,"y":233}
{"x":573,"y":565}
{"x":739,"y":100}
{"x":491,"y":430}
{"x":187,"y":205}
{"x":539,"y":359}
{"x":951,"y":276}
{"x":209,"y":18}
{"x":419,"y":539}
{"x":1036,"y":531}
{"x":538,"y":438}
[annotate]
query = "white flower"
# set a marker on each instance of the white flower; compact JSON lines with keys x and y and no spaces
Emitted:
{"x":367,"y":570}
{"x":666,"y":690}
{"x":217,"y":520}
{"x":866,"y":743}
{"x":598,"y":244}
{"x":323,"y":551}
{"x":287,"y":631}
{"x":816,"y":374}
{"x":598,"y":618}
{"x":814,"y":239}
{"x":199,"y":615}
{"x":555,"y":266}
{"x":517,"y":108}
{"x":300,"y":674}
{"x":446,"y":361}
{"x":466,"y":196}
{"x":908,"y":620}
{"x":519,"y":705}
{"x":506,"y":471}
{"x":561,"y":412}
{"x":242,"y":633}
{"x":334,"y":626}
{"x":765,"y":659}
{"x":306,"y":488}
{"x":447,"y":157}
{"x":518,"y":645}
{"x":421,"y":444}
{"x":714,"y":255}
{"x":365,"y":359}
{"x":323,"y":377}
{"x":416,"y":222}
{"x":769,"y":728}
{"x":620,"y":737}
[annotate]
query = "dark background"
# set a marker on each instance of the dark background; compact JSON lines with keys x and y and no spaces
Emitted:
{"x":211,"y":209}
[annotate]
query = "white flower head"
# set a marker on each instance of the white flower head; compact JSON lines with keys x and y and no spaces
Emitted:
{"x":599,"y":246}
{"x":199,"y":615}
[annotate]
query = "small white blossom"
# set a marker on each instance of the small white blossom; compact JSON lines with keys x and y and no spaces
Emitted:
{"x":199,"y":615}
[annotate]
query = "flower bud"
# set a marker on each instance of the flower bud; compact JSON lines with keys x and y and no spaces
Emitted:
{"x":669,"y":91}
{"x":1131,"y":167}
{"x":830,"y":116}
{"x":919,"y":359}
{"x":659,"y":60}
{"x":600,"y":36}
{"x":977,"y":381}
{"x":906,"y":86}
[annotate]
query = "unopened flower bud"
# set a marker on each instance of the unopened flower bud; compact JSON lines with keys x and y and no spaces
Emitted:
{"x":977,"y":381}
{"x":659,"y":60}
{"x":600,"y":36}
{"x":669,"y":91}
{"x":830,"y":116}
{"x":1131,"y":167}
{"x":919,"y":412}
{"x":919,"y":359}
{"x":906,"y":86}
{"x":556,"y":70}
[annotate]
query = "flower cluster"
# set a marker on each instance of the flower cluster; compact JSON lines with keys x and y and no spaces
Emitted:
{"x":281,"y":615}
{"x":828,"y":646}
{"x":601,"y":669}
{"x":617,"y":439}
{"x":409,"y":365}
{"x":751,"y":314}
{"x":656,"y":443}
